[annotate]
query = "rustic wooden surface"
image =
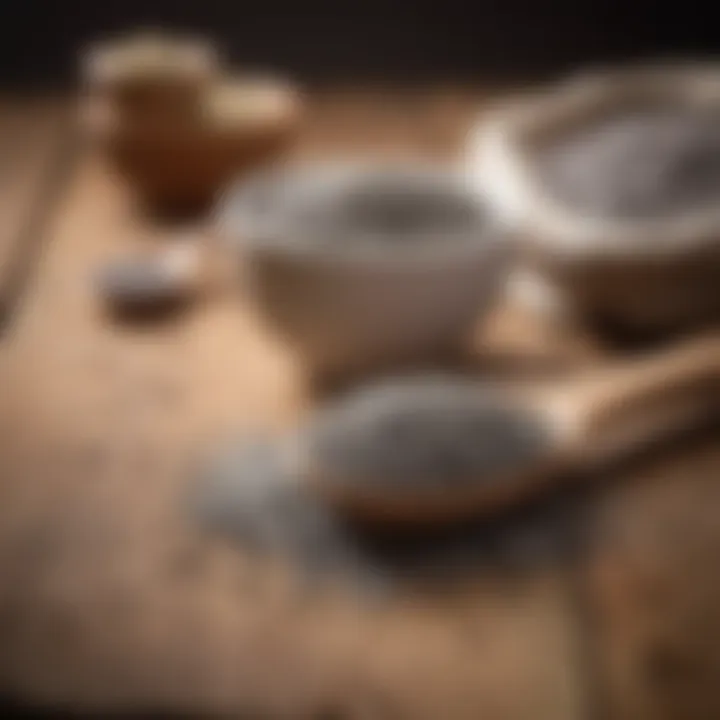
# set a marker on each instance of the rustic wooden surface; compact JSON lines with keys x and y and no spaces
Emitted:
{"x":111,"y":600}
{"x":36,"y":140}
{"x":652,"y":593}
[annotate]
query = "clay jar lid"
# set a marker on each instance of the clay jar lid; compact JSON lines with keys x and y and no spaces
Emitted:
{"x":642,"y":266}
{"x":251,"y":102}
{"x":150,"y":73}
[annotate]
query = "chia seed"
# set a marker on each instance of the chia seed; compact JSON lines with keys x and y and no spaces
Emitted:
{"x":246,"y":494}
{"x":644,"y":162}
{"x":341,"y":205}
{"x":140,"y":285}
{"x":425,"y":433}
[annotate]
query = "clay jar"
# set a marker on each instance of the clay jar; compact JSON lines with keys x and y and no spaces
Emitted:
{"x":244,"y":124}
{"x":173,"y":126}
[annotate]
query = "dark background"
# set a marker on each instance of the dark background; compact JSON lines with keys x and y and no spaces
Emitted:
{"x":371,"y":41}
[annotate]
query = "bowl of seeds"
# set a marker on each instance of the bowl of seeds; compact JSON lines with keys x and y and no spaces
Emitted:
{"x":613,"y":181}
{"x":424,"y":448}
{"x":362,"y":265}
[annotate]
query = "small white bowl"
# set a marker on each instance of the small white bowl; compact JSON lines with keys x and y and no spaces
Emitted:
{"x":353,"y":293}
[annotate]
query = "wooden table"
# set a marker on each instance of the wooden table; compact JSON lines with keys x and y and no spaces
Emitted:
{"x":111,"y":600}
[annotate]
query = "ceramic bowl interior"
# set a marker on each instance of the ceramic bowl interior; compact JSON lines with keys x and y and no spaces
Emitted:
{"x":351,"y":210}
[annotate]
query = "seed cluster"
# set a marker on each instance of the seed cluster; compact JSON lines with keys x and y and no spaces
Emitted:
{"x":243,"y":492}
{"x":382,"y":209}
{"x":243,"y":489}
{"x":141,"y":285}
{"x":382,"y":206}
{"x":426,"y":433}
{"x":645,"y":162}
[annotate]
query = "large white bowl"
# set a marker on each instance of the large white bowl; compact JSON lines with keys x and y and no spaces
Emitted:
{"x":652,"y":274}
{"x":346,"y":299}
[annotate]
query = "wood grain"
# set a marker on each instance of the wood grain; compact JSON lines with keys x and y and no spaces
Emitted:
{"x":650,"y":582}
{"x":35,"y":142}
{"x":111,"y":600}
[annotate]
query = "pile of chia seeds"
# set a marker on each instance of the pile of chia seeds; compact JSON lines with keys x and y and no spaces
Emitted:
{"x":426,"y":433}
{"x":245,"y":493}
{"x":397,"y":209}
{"x":638,"y":163}
{"x":346,"y":206}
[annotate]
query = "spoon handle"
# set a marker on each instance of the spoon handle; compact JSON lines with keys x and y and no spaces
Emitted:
{"x":649,"y":398}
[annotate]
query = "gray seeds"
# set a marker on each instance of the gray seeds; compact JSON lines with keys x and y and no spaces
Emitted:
{"x":342,"y":205}
{"x":641,"y":163}
{"x":387,"y":210}
{"x":141,"y":284}
{"x":244,"y":493}
{"x":167,"y":279}
{"x":426,"y":434}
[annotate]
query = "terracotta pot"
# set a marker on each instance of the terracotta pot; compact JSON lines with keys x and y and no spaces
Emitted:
{"x":186,"y":168}
{"x":183,"y":165}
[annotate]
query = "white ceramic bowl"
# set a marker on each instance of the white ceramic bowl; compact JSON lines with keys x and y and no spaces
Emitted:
{"x":401,"y":281}
{"x":649,"y":274}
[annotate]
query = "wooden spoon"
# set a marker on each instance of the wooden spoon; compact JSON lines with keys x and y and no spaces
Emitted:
{"x":567,"y":428}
